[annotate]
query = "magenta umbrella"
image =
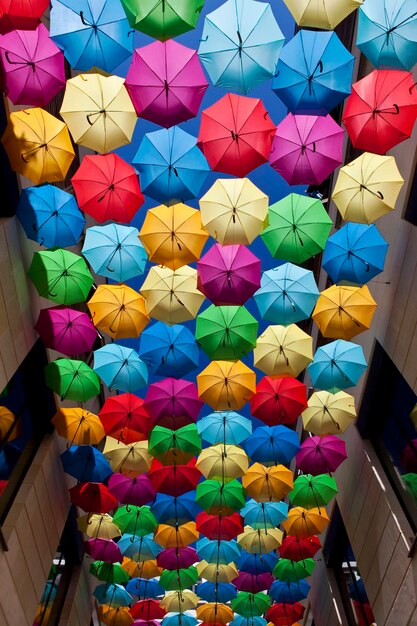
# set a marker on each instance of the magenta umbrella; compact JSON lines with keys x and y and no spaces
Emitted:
{"x":228,"y":274}
{"x":177,"y":558}
{"x":103,"y":550}
{"x":33,"y":66}
{"x":409,"y":456}
{"x":253,"y":583}
{"x":66,"y":330}
{"x":306,"y":148}
{"x":321,"y":455}
{"x":172,"y":398}
{"x":166,"y":83}
{"x":137,"y":491}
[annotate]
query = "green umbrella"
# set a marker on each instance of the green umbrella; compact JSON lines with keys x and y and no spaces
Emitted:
{"x":411,"y":482}
{"x":163,"y":19}
{"x":298,"y":228}
{"x":251,"y":604}
{"x":216,"y":497}
{"x":313,"y":491}
{"x":174,"y":446}
{"x":178,"y":579}
{"x":72,"y":380}
{"x":61,"y":276}
{"x":110,"y":572}
{"x":293,"y":571}
{"x":226,"y":332}
{"x":135,"y":520}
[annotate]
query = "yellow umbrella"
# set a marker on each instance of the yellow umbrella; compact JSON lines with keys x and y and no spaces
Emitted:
{"x":268,"y":484}
{"x":42,"y":615}
{"x":173,"y":235}
{"x":176,"y":536}
{"x":343,"y":312}
{"x":98,"y":526}
{"x":234,"y":211}
{"x":217,"y":572}
{"x":79,"y":426}
{"x":223,"y":462}
{"x":413,"y":416}
{"x":326,"y":14}
{"x":99,"y":112}
{"x":215,"y":613}
{"x":367,"y":188}
{"x":329,"y":413}
{"x":131,"y":460}
{"x":179,"y":601}
{"x":145,"y":569}
{"x":7,"y":420}
{"x":261,"y":540}
{"x":112,"y":616}
{"x":303,"y":523}
{"x":38,"y":146}
{"x":283,"y":351}
{"x":172,"y":297}
{"x":118,"y":310}
{"x":225,"y":385}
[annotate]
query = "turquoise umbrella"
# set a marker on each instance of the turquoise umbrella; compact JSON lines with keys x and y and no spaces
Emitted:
{"x":224,"y":427}
{"x":221,"y":551}
{"x":264,"y":514}
{"x":113,"y":595}
{"x":139,"y":548}
{"x":120,"y":368}
{"x":337,"y":365}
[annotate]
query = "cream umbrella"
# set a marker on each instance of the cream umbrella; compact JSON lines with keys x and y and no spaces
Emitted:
{"x":329,"y":413}
{"x":283,"y":351}
{"x":325,"y":14}
{"x":131,"y":460}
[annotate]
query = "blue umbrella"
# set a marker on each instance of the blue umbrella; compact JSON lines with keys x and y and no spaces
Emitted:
{"x":179,"y":619}
{"x":257,"y":563}
{"x":120,"y":368}
{"x":283,"y":592}
{"x":264,"y":514}
{"x":139,"y":548}
{"x":221,"y":551}
{"x":355,"y":253}
{"x":144,"y":588}
{"x":112,"y":594}
{"x":170,"y":509}
{"x":171,"y":166}
{"x":224,"y":427}
{"x":248,"y":621}
{"x":314,"y":73}
{"x":357,"y":591}
{"x":115,"y":251}
{"x":240,"y":45}
{"x":92,"y":33}
{"x":50,"y":216}
{"x":86,"y":464}
{"x":216,"y":592}
{"x":272,"y":445}
{"x":387,"y":33}
{"x":337,"y":365}
{"x":169,"y":350}
{"x":288,"y":294}
{"x":49,"y":593}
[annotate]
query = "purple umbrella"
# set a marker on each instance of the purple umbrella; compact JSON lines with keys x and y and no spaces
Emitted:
{"x":409,"y":457}
{"x":171,"y":398}
{"x":66,"y":330}
{"x":103,"y":550}
{"x":33,"y":66}
{"x":321,"y":455}
{"x":176,"y":558}
{"x":228,"y":274}
{"x":253,"y":583}
{"x":166,"y":83}
{"x":306,"y":148}
{"x":137,"y":491}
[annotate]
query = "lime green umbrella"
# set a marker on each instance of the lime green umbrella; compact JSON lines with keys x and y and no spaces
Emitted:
{"x":411,"y":482}
{"x":163,"y":19}
{"x":293,"y":571}
{"x":61,"y":276}
{"x":251,"y":604}
{"x":226,"y":332}
{"x":135,"y":520}
{"x":298,"y":228}
{"x":72,"y":380}
{"x":178,"y":579}
{"x":174,"y":446}
{"x":110,"y":572}
{"x":217,"y":497}
{"x":313,"y":491}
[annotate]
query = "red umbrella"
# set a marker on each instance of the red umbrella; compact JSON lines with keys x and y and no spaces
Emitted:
{"x":218,"y":527}
{"x":66,"y":330}
{"x":177,"y":558}
{"x":137,"y":491}
{"x":147,"y":610}
{"x":172,"y":398}
{"x":103,"y":550}
{"x":93,"y":497}
{"x":364,"y":613}
{"x":125,"y":418}
{"x":236,"y":134}
{"x":381,"y":111}
{"x":174,"y":480}
{"x":283,"y":614}
{"x":253,"y":583}
{"x":21,"y":14}
{"x":278,"y":400}
{"x":297,"y":549}
{"x":107,"y":188}
{"x":321,"y":455}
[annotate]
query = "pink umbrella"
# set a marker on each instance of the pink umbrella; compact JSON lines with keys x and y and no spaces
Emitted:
{"x":33,"y":66}
{"x":66,"y":330}
{"x":306,"y":148}
{"x":176,"y":558}
{"x":169,"y":399}
{"x":228,"y":274}
{"x":166,"y":83}
{"x":103,"y":550}
{"x":409,"y":457}
{"x":137,"y":491}
{"x":321,"y":455}
{"x":144,"y":622}
{"x":253,"y":583}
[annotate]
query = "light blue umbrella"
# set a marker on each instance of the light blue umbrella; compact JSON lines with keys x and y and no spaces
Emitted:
{"x":139,"y":548}
{"x":314,"y":73}
{"x":387,"y":33}
{"x":240,"y":45}
{"x":248,"y":621}
{"x":283,"y":592}
{"x":169,"y":350}
{"x":264,"y":514}
{"x":144,"y":588}
{"x":172,"y":168}
{"x":224,"y":427}
{"x":355,"y":253}
{"x":112,"y":594}
{"x":216,"y":592}
{"x":49,"y":593}
{"x":92,"y":33}
{"x":288,"y":294}
{"x":272,"y":445}
{"x":115,"y":251}
{"x":337,"y":365}
{"x":179,"y":619}
{"x":120,"y":368}
{"x":50,"y":216}
{"x":170,"y":509}
{"x":221,"y":551}
{"x":257,"y":563}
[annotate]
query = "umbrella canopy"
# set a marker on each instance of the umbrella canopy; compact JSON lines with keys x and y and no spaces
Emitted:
{"x":279,"y":400}
{"x":179,"y":579}
{"x":179,"y":536}
{"x":304,"y":523}
{"x":147,"y":610}
{"x":320,"y":454}
{"x":263,"y":515}
{"x":218,"y":527}
{"x":272,"y":445}
{"x":72,"y":380}
{"x":174,"y":558}
{"x":283,"y":351}
{"x":174,"y":446}
{"x":216,"y":497}
{"x":251,"y":604}
{"x":326,"y":14}
{"x":130,"y":460}
{"x":224,"y":427}
{"x":79,"y":426}
{"x":103,"y":550}
{"x":138,"y":548}
{"x":98,"y":526}
{"x":170,"y":398}
{"x":170,"y":509}
{"x":214,"y":613}
{"x":367,"y":188}
{"x":216,"y":592}
{"x":123,"y":417}
{"x":236,"y":134}
{"x":307,"y":148}
{"x":137,"y":520}
{"x":294,"y":571}
{"x":171,"y":167}
{"x":107,"y":188}
{"x":260,"y":540}
{"x":110,"y":572}
{"x":313,"y":491}
{"x":118,"y":310}
{"x":113,"y":595}
{"x":179,"y":601}
{"x":297,"y":549}
{"x":240,"y":45}
{"x":86,"y":464}
{"x":169,"y":350}
{"x":94,"y":498}
{"x":253,"y":583}
{"x":163,"y":19}
{"x":410,"y":480}
{"x":15,"y":14}
{"x":223,"y":462}
{"x":225,"y":385}
{"x":137,"y":490}
{"x":120,"y":368}
{"x":257,"y":563}
{"x":66,"y":330}
{"x":226,"y":332}
{"x":267,"y":484}
{"x":284,"y":613}
{"x":314,"y":73}
{"x":329,"y":414}
{"x":179,"y":619}
{"x":174,"y":480}
{"x":248,"y":621}
{"x":114,"y":616}
{"x":217,"y":551}
{"x":337,"y":365}
{"x":8,"y":426}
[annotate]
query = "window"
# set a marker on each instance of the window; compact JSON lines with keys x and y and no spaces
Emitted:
{"x":410,"y":213}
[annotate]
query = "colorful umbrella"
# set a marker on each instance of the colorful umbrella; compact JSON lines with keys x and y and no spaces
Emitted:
{"x":329,"y":414}
{"x":86,"y":464}
{"x":248,"y":621}
{"x":410,"y":480}
{"x":138,"y":548}
{"x":257,"y":563}
{"x":223,"y":462}
{"x":279,"y":400}
{"x":79,"y":426}
{"x":8,"y":425}
{"x":174,"y":446}
{"x":170,"y":510}
{"x":327,"y":14}
{"x":137,"y":520}
{"x":293,"y":571}
{"x":297,"y":549}
{"x":262,"y":515}
{"x":179,"y":601}
{"x":216,"y":592}
{"x":94,"y":498}
{"x":130,"y":460}
{"x":217,"y":551}
{"x":110,"y":572}
{"x":283,"y":613}
{"x":253,"y":583}
{"x":267,"y":484}
{"x":179,"y":619}
{"x":214,"y":613}
{"x":179,"y":536}
{"x":220,"y":498}
{"x":120,"y":368}
{"x":103,"y":550}
{"x":175,"y":479}
{"x":163,"y":19}
{"x":313,"y":491}
{"x":112,"y":595}
{"x":283,"y":351}
{"x":225,"y":385}
{"x":169,"y":350}
{"x":174,"y":558}
{"x":114,"y":616}
{"x":72,"y":380}
{"x":225,"y":427}
{"x":179,"y":579}
{"x":118,"y":310}
{"x":147,"y":610}
{"x":145,"y":588}
{"x":66,"y":330}
{"x":226,"y":332}
{"x":321,"y":454}
{"x":337,"y":365}
{"x":137,"y":490}
{"x":260,"y":540}
{"x":15,"y":14}
{"x":251,"y":604}
{"x":123,"y":416}
{"x":219,"y":527}
{"x":144,"y":569}
{"x":304,"y":523}
{"x":170,"y":398}
{"x":272,"y":445}
{"x":98,"y":526}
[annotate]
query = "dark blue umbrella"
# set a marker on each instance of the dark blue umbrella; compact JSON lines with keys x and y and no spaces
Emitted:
{"x":216,"y":592}
{"x":170,"y":509}
{"x":283,"y":592}
{"x":169,"y":350}
{"x":272,"y":444}
{"x":357,"y":591}
{"x":256,"y":563}
{"x":86,"y":464}
{"x":221,"y":551}
{"x":144,"y":588}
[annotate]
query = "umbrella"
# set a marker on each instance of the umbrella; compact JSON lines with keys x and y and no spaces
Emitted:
{"x":137,"y":490}
{"x":240,"y":45}
{"x":174,"y":558}
{"x":120,"y":368}
{"x":408,"y":456}
{"x":217,"y":551}
{"x":257,"y":563}
{"x":103,"y":550}
{"x":253,"y":583}
{"x":130,"y":460}
{"x":327,"y":14}
{"x":314,"y":73}
{"x":223,"y":462}
{"x":112,"y":595}
{"x":298,"y":228}
{"x":169,"y":350}
{"x":220,"y":498}
{"x":236,"y":134}
{"x":289,"y":592}
{"x":337,"y":365}
{"x":260,"y":540}
{"x":66,"y":330}
{"x":179,"y":601}
{"x":172,"y":296}
{"x":410,"y":480}
{"x":179,"y":619}
{"x":228,"y":274}
{"x":321,"y":454}
{"x":166,"y":83}
{"x":174,"y":480}
{"x":328,"y":413}
{"x":343,"y":312}
{"x":214,"y":613}
{"x":304,"y":523}
{"x":98,"y":111}
{"x":307,"y":148}
{"x":145,"y":588}
{"x":91,"y":34}
{"x":86,"y":464}
{"x":61,"y":276}
{"x":147,"y":610}
{"x":225,"y":385}
{"x":251,"y":604}
{"x":98,"y":526}
{"x":287,"y":294}
{"x":107,"y":188}
{"x":179,"y":579}
{"x":79,"y":426}
{"x":118,"y":310}
{"x":123,"y":416}
{"x":72,"y":380}
{"x":169,"y":509}
{"x":218,"y":527}
{"x":283,"y":351}
{"x":293,"y":571}
{"x":15,"y":14}
{"x":262,"y":515}
{"x":272,"y":445}
{"x":144,"y":569}
{"x":38,"y":145}
{"x":284,"y":613}
{"x":226,"y":332}
{"x":216,"y":592}
{"x":178,"y":536}
{"x":94,"y":498}
{"x":381,"y":111}
{"x":367,"y":188}
{"x":8,"y":425}
{"x":355,"y":253}
{"x":171,"y":398}
{"x":171,"y":167}
{"x":163,"y":19}
{"x":313,"y":491}
{"x":267,"y":484}
{"x":174,"y":446}
{"x":110,"y":572}
{"x":224,"y":426}
{"x":138,"y":548}
{"x":248,"y":621}
{"x":279,"y":400}
{"x":114,"y":616}
{"x":137,"y":520}
{"x":173,"y":236}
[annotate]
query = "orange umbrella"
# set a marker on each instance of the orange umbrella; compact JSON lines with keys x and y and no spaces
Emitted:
{"x":7,"y":421}
{"x":304,"y":523}
{"x":145,"y":569}
{"x":118,"y":311}
{"x":111,"y":616}
{"x":225,"y":385}
{"x":176,"y":536}
{"x":268,"y":484}
{"x":343,"y":312}
{"x":79,"y":426}
{"x":215,"y":613}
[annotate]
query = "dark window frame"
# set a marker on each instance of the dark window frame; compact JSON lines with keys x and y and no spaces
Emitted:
{"x":410,"y":213}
